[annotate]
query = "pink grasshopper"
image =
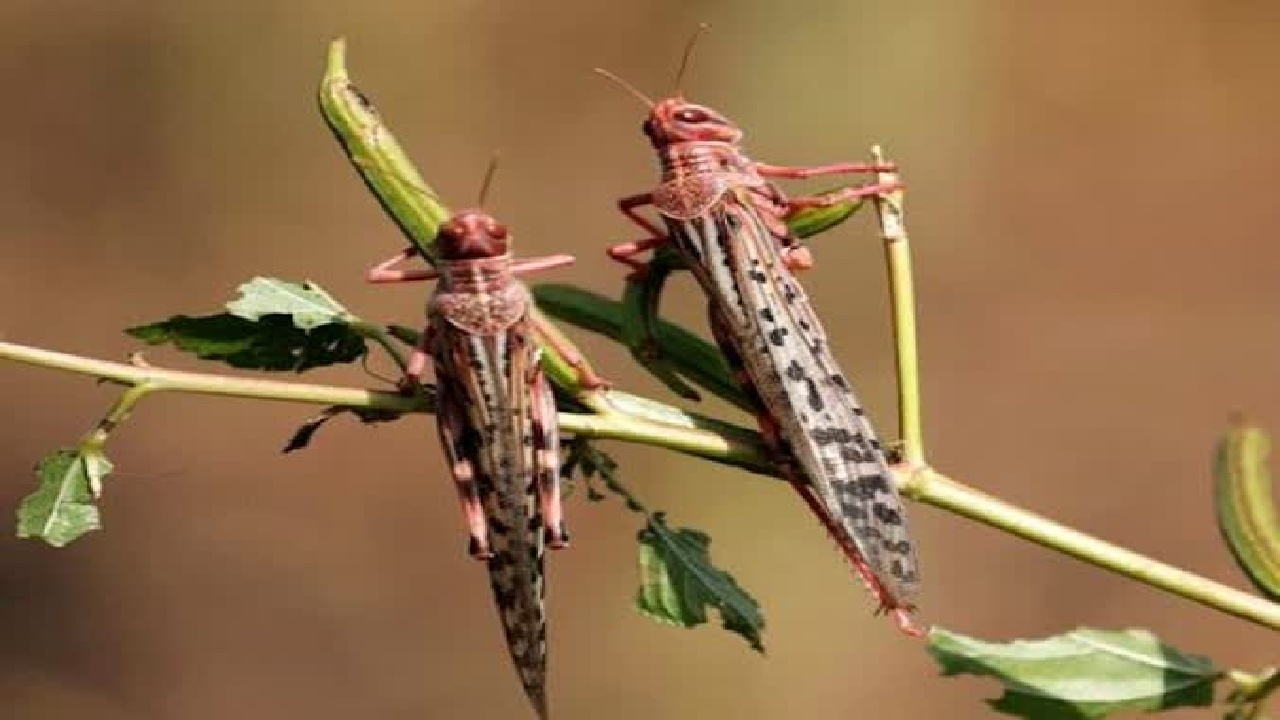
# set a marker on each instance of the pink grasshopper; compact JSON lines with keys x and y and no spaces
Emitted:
{"x":496,"y":416}
{"x":726,"y":219}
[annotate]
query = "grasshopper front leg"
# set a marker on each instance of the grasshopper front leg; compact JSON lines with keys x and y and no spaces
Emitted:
{"x":641,"y":297}
{"x":812,"y":171}
{"x":386,"y":272}
{"x":625,"y":252}
{"x":802,"y":202}
{"x":798,"y":258}
{"x":416,"y":367}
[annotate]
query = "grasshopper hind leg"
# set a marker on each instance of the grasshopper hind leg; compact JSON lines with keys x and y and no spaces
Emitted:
{"x":461,"y":444}
{"x":545,"y":433}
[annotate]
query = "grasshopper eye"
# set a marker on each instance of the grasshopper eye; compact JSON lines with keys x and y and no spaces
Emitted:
{"x":692,"y":115}
{"x":497,"y":231}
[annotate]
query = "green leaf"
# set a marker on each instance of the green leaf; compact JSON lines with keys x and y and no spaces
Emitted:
{"x":678,"y":582}
{"x":377,"y":156}
{"x":306,"y":303}
{"x":274,"y":325}
{"x":811,"y":221}
{"x":639,"y":322}
{"x":272,"y":343}
{"x":1085,"y":673}
{"x":64,"y":506}
{"x":1246,"y":509}
{"x":694,"y":358}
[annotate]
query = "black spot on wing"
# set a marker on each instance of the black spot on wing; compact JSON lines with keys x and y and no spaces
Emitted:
{"x":868,"y":487}
{"x":816,"y":403}
{"x":900,"y":547}
{"x":830,"y":435}
{"x":903,"y":572}
{"x":852,"y":453}
{"x":794,"y":372}
{"x":868,"y":532}
{"x":887,"y":515}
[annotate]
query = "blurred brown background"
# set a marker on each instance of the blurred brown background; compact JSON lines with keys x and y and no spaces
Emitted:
{"x":1092,"y":207}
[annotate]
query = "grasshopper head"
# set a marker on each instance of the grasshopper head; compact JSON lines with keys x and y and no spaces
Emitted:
{"x":471,"y":235}
{"x":675,"y":119}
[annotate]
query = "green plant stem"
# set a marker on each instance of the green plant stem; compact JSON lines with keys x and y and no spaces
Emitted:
{"x":702,"y":437}
{"x":380,"y":335}
{"x":160,"y":379}
{"x":933,"y":488}
{"x":1253,"y":689}
{"x":902,"y":300}
{"x":627,"y":417}
{"x":96,"y":438}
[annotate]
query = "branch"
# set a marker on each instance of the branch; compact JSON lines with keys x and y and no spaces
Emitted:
{"x":897,"y":249}
{"x":936,"y":489}
{"x":627,"y":417}
{"x":639,"y":420}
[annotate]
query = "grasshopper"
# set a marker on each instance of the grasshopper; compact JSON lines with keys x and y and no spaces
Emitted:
{"x":725,"y":218}
{"x":496,"y":416}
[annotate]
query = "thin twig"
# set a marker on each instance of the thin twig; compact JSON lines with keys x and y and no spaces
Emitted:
{"x":897,"y":249}
{"x":943,"y":492}
{"x":714,"y":440}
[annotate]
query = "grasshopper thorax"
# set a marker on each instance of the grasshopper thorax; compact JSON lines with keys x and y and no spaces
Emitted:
{"x":676,"y":120}
{"x":471,"y":235}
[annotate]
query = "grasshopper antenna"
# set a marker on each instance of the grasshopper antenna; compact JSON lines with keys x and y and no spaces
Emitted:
{"x":488,"y":179}
{"x":648,"y":101}
{"x":688,"y":55}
